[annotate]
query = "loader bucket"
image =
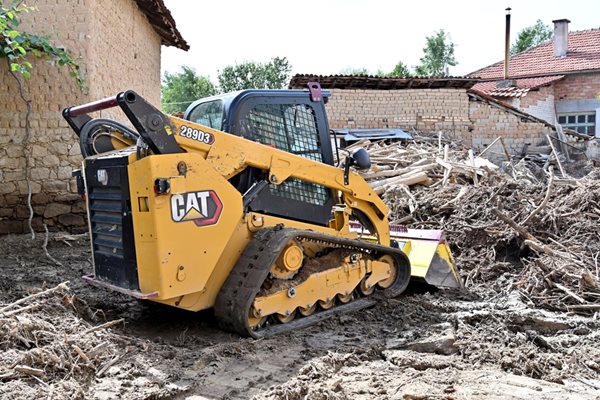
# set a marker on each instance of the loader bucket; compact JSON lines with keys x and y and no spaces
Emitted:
{"x":430,"y":256}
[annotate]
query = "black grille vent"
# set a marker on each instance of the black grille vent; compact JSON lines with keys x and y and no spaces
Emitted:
{"x":106,"y":217}
{"x":111,"y":222}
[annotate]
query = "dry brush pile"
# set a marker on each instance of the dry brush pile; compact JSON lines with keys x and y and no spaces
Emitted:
{"x":50,"y":350}
{"x":516,"y":227}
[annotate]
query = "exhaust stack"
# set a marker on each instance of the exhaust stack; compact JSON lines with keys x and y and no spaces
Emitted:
{"x":507,"y":43}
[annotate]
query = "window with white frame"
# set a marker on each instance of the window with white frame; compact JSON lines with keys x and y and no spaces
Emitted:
{"x":580,"y":122}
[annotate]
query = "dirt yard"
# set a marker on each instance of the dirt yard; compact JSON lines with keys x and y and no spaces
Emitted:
{"x":474,"y":344}
{"x":526,"y":241}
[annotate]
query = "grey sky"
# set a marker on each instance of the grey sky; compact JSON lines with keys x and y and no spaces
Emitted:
{"x":325,"y":37}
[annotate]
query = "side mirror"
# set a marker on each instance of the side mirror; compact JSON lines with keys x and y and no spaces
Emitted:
{"x":360,"y":159}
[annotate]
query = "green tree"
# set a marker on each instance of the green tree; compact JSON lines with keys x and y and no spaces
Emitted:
{"x":20,"y":47}
{"x":180,"y":89}
{"x":354,"y":71}
{"x":274,"y":74}
{"x":400,"y":70}
{"x":438,"y":56}
{"x":531,"y":36}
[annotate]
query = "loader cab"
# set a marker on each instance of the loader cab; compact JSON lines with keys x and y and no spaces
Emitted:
{"x":284,"y":119}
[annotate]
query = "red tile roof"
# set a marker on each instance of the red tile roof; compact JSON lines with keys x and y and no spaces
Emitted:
{"x":523,"y":86}
{"x":583,"y":55}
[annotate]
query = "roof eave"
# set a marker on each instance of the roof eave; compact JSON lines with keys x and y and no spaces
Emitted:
{"x":162,"y":22}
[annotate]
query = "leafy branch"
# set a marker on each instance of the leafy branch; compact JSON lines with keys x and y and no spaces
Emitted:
{"x":18,"y":47}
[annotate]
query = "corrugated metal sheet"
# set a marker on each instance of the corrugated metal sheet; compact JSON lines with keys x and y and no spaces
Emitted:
{"x":353,"y":135}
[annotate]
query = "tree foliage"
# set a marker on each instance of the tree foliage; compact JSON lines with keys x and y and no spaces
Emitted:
{"x":180,"y":89}
{"x":531,"y":36}
{"x":252,"y":75}
{"x":438,"y":55}
{"x":400,"y":70}
{"x":19,"y":47}
{"x":354,"y":71}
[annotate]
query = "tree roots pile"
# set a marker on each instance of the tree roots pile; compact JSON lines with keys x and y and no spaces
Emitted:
{"x":516,"y":227}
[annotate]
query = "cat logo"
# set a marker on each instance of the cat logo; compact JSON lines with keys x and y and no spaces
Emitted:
{"x":204,"y":207}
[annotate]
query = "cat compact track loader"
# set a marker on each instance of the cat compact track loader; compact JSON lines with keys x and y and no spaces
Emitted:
{"x":257,"y":223}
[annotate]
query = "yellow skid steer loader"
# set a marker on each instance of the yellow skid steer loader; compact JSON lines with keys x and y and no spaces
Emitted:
{"x":238,"y":206}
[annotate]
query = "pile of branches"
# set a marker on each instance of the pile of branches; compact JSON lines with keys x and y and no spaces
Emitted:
{"x":427,"y":161}
{"x":48,"y":349}
{"x":519,"y":228}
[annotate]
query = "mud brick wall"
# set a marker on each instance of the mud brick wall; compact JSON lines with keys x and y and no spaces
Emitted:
{"x":117,"y":49}
{"x":490,"y":121}
{"x":475,"y":123}
{"x":421,"y":109}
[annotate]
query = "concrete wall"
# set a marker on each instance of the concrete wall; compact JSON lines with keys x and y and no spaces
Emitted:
{"x":117,"y":49}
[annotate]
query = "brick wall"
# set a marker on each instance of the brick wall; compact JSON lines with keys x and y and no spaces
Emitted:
{"x":576,"y":87}
{"x":422,"y":109}
{"x":117,"y":49}
{"x":540,"y":103}
{"x":490,"y":121}
{"x":475,"y":123}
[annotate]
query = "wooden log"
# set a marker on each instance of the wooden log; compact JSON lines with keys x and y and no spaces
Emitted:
{"x":489,"y":146}
{"x":401,"y":171}
{"x":448,"y":169}
{"x":562,"y":171}
{"x":421,"y":177}
{"x":24,"y":369}
{"x":472,"y":161}
{"x":387,"y":181}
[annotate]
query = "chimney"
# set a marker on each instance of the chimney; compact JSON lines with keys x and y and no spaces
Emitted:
{"x":561,"y":37}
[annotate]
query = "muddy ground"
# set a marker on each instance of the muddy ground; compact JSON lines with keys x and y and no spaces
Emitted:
{"x":481,"y":343}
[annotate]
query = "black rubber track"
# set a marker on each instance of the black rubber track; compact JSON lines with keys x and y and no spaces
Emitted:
{"x":235,"y":298}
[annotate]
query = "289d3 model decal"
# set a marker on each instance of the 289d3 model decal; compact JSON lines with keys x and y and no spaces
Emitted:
{"x":196,"y":134}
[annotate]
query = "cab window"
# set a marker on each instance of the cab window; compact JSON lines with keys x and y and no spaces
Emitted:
{"x":209,"y":114}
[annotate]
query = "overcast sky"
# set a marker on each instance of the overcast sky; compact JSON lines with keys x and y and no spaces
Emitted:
{"x":327,"y":36}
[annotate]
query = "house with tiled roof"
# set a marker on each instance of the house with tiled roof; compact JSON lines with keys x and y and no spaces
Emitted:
{"x":118,"y":45}
{"x":558,"y":80}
